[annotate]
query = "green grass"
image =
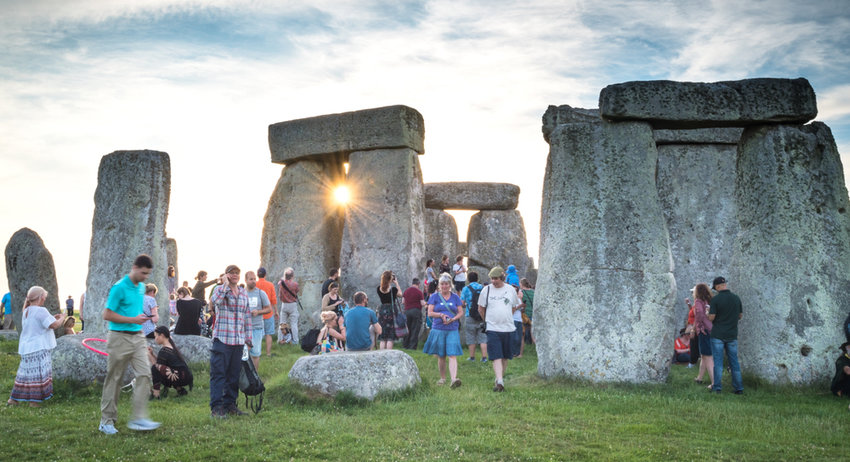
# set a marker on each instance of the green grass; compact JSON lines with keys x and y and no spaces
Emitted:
{"x":534,"y":419}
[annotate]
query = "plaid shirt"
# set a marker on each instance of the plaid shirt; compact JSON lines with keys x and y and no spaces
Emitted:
{"x":232,"y":316}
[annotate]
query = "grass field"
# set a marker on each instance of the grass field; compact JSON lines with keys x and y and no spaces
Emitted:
{"x":533,"y":419}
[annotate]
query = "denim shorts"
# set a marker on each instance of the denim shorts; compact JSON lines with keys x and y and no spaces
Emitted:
{"x":257,"y":342}
{"x":268,"y":326}
{"x":704,"y":344}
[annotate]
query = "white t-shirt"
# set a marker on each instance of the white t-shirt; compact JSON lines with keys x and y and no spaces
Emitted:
{"x":459,"y":277}
{"x":500,"y":304}
{"x":36,"y":334}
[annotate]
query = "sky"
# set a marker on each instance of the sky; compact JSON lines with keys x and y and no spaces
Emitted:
{"x":202,"y":80}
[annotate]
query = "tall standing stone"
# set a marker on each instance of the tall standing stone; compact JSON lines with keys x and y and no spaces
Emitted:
{"x":791,"y":260}
{"x":303,"y":230}
{"x":497,"y":238}
{"x":384,"y":223}
{"x":694,"y":178}
{"x":130,"y":210}
{"x":29,"y":263}
{"x":603,"y":310}
{"x":440,"y":236}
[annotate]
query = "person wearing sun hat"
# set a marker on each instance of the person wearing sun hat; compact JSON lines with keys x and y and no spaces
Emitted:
{"x":841,"y":382}
{"x":496,"y":305}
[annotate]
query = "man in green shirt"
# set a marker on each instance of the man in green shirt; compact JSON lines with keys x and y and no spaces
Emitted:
{"x":724,"y":312}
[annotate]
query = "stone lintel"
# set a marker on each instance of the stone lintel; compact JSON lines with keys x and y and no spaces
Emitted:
{"x":470,"y":195}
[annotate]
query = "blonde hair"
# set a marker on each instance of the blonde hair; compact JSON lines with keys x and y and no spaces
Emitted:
{"x":151,"y":288}
{"x":33,"y":295}
{"x":69,"y":322}
{"x":328,"y":316}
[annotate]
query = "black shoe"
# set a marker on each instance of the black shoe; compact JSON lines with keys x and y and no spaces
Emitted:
{"x":739,"y":392}
{"x":218,"y":413}
{"x":182,"y":392}
{"x":233,"y":410}
{"x":499,"y":387}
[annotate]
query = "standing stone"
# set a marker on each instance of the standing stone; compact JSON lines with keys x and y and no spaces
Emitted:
{"x":384,"y":222}
{"x":698,"y":199}
{"x":303,"y":230}
{"x":566,"y":114}
{"x":791,"y":260}
{"x":603,"y":310}
{"x":471,"y":195}
{"x":440,"y":237}
{"x":497,"y":237}
{"x":130,"y":210}
{"x":29,"y":263}
{"x":668,"y":104}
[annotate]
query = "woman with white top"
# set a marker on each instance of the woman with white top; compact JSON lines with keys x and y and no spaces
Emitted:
{"x":34,"y":381}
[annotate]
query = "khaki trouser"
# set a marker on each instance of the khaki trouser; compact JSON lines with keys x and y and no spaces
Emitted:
{"x":124,"y":349}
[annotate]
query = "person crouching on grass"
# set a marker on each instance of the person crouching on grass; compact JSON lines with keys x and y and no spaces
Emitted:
{"x":169,"y":368}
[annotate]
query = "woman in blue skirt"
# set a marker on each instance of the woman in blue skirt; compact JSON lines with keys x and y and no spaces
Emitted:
{"x":445,"y":308}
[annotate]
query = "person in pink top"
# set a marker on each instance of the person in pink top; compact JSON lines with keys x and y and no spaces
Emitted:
{"x":702,"y":328}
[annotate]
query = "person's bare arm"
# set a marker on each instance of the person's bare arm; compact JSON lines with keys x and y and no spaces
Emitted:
{"x":109,"y":315}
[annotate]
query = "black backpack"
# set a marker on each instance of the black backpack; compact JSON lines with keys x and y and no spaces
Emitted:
{"x":310,"y":341}
{"x":251,"y":384}
{"x":473,"y":307}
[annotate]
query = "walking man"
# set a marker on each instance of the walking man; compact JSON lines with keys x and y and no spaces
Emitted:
{"x":289,"y":305}
{"x":259,"y":304}
{"x":231,"y":332}
{"x":125,"y":344}
{"x":724,"y":313}
{"x":496,"y":305}
{"x":268,"y":318}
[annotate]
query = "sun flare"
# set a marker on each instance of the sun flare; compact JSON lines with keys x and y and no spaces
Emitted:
{"x":342,"y":194}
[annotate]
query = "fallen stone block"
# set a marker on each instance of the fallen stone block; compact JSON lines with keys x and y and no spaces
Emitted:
{"x":389,"y":127}
{"x":739,"y":103}
{"x":364,"y":374}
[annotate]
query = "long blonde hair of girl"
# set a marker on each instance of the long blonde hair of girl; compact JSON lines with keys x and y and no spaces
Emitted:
{"x":35,"y":293}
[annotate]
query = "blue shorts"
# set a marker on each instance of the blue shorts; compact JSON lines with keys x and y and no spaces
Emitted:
{"x":499,"y":345}
{"x":459,"y":285}
{"x":704,"y":344}
{"x":268,"y":326}
{"x":257,"y":340}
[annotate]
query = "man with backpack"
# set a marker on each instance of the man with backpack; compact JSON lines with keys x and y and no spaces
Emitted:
{"x":473,"y":324}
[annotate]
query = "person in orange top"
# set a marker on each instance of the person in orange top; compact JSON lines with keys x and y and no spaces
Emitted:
{"x":269,"y":325}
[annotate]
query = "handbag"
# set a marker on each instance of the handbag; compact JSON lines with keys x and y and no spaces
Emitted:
{"x":400,"y":320}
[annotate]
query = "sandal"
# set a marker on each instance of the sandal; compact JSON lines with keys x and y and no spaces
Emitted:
{"x":455,"y":383}
{"x":11,"y":402}
{"x":710,"y":387}
{"x":441,"y":382}
{"x":699,"y":381}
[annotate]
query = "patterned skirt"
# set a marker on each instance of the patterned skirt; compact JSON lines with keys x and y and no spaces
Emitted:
{"x":34,"y":381}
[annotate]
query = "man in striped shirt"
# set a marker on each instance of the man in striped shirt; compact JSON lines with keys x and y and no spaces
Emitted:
{"x":231,"y":332}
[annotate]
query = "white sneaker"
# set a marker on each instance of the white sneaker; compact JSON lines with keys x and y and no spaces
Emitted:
{"x":143,"y":425}
{"x":108,"y":429}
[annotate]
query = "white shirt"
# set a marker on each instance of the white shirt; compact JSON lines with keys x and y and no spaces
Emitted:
{"x":36,"y":334}
{"x":459,"y":277}
{"x":500,"y":304}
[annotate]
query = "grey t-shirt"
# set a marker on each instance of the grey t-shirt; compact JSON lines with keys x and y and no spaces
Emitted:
{"x":257,"y":300}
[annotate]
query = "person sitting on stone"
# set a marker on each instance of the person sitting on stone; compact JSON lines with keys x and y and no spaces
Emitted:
{"x":841,"y":382}
{"x":329,"y":337}
{"x":357,"y":324}
{"x":169,"y":368}
{"x":682,"y":346}
{"x":69,"y":326}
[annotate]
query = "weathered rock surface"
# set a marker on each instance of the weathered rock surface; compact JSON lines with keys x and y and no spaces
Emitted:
{"x":73,"y":361}
{"x":497,"y":237}
{"x":391,"y":127}
{"x":303,"y":230}
{"x":697,"y":192}
{"x":364,"y":374}
{"x":384,"y":222}
{"x":566,"y":114}
{"x":470,"y":195}
{"x":440,"y":236}
{"x":130,"y":210}
{"x":603,"y":306}
{"x":9,"y":334}
{"x":722,"y":135}
{"x":668,"y":104}
{"x":29,"y":263}
{"x":791,"y":260}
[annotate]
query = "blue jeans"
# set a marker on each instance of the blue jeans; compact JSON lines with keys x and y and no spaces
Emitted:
{"x":516,"y":338}
{"x":717,"y":352}
{"x":225,"y":365}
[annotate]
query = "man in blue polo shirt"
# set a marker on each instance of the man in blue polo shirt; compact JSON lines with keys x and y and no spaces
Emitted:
{"x":125,"y":344}
{"x":6,"y":306}
{"x":357,"y":322}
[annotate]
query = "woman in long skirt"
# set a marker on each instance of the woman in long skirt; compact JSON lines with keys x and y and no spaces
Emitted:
{"x":34,"y":381}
